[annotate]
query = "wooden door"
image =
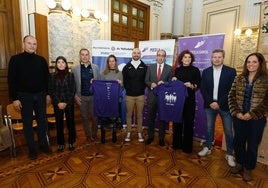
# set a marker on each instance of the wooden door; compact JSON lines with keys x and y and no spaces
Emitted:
{"x":10,"y":42}
{"x":130,"y":21}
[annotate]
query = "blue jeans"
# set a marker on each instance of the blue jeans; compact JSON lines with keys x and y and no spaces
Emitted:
{"x":247,"y":137}
{"x":227,"y":127}
{"x":34,"y":102}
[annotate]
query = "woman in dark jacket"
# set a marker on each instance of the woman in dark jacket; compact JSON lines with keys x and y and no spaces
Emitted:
{"x":61,"y":88}
{"x":248,"y":103}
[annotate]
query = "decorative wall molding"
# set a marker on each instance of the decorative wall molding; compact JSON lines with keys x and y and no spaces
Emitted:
{"x":166,"y":36}
{"x":187,"y":17}
{"x":209,"y":1}
{"x":244,"y":46}
{"x":216,"y":23}
{"x":156,"y":3}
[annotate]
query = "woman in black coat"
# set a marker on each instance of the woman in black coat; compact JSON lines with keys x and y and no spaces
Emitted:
{"x":61,"y":88}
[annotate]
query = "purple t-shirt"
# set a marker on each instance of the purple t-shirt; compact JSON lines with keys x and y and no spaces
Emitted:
{"x":171,"y":98}
{"x":106,"y":97}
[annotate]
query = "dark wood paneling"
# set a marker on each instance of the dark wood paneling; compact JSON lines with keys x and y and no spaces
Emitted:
{"x":10,"y":42}
{"x":41,"y":34}
{"x":123,"y":32}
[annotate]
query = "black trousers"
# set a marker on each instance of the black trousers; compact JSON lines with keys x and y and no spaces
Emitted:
{"x":183,"y":132}
{"x":59,"y":115}
{"x":152,"y":110}
{"x":34,"y":102}
{"x":107,"y":121}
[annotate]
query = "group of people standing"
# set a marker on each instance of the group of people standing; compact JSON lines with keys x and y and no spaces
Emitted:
{"x":241,"y":101}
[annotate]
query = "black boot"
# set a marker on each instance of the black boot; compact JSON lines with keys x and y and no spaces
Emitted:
{"x":114,"y":138}
{"x":102,"y":134}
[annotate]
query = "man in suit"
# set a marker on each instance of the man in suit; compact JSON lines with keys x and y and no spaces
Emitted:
{"x":215,"y":86}
{"x":84,"y":73}
{"x":156,"y":74}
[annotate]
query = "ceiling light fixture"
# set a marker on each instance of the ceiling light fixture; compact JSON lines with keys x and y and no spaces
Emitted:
{"x":86,"y":9}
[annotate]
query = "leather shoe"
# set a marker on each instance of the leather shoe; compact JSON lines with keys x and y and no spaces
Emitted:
{"x":61,"y":148}
{"x":71,"y":147}
{"x":46,"y":149}
{"x":161,"y":142}
{"x":149,"y":141}
{"x":176,"y":147}
{"x":33,"y":155}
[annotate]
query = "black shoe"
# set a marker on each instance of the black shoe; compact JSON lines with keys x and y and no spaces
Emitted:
{"x":114,"y":137}
{"x":149,"y":141}
{"x":176,"y":147}
{"x":46,"y":150}
{"x":161,"y":142}
{"x":71,"y":147}
{"x":103,"y":140}
{"x":61,"y":148}
{"x":33,"y":155}
{"x":103,"y":134}
{"x":188,"y":150}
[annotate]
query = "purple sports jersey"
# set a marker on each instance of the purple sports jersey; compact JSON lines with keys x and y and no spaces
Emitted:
{"x":171,"y":97}
{"x":106,"y":97}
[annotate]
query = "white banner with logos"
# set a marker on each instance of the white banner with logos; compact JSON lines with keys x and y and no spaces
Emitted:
{"x":101,"y":49}
{"x":150,"y":48}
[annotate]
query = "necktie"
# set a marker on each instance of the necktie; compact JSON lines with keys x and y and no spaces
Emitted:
{"x":159,"y":72}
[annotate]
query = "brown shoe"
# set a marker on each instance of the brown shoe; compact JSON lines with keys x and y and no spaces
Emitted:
{"x":88,"y":140}
{"x":95,"y":139}
{"x":237,"y":169}
{"x":246,"y":174}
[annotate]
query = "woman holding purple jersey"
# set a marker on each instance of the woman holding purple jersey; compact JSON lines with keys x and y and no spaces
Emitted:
{"x":190,"y":75}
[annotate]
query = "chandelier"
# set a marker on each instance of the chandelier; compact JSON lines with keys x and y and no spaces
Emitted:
{"x":85,"y":9}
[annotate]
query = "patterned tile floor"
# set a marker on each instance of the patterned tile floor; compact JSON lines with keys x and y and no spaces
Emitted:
{"x":122,"y":165}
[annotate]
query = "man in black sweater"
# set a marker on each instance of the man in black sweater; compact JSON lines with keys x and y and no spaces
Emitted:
{"x":28,"y":82}
{"x":133,"y":78}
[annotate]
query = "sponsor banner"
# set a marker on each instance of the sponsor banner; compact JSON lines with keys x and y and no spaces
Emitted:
{"x":202,"y":47}
{"x":101,"y":49}
{"x":150,"y":48}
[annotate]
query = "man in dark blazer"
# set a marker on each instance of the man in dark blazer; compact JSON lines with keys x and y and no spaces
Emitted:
{"x":215,"y":86}
{"x":153,"y":78}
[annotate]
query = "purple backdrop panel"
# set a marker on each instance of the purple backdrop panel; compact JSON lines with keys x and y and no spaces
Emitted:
{"x":202,"y":47}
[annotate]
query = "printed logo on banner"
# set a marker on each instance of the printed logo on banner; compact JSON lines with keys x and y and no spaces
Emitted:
{"x":149,"y":49}
{"x":199,"y":44}
{"x":144,"y":49}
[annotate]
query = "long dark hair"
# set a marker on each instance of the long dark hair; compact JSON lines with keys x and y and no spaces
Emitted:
{"x":262,"y":70}
{"x":66,"y":70}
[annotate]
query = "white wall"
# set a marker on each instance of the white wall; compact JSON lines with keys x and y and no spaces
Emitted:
{"x":224,"y":17}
